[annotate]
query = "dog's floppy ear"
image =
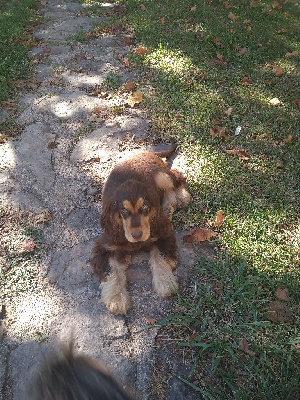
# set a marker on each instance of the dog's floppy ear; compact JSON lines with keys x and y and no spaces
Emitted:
{"x":111,"y":221}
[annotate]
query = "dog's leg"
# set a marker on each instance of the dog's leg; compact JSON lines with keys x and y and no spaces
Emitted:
{"x":164,"y":282}
{"x":183,"y":197}
{"x":114,"y":293}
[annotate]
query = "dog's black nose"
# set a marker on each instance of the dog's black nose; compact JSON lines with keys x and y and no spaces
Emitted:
{"x":136,"y":234}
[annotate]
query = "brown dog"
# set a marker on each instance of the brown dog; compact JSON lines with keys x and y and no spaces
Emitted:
{"x":139,"y":198}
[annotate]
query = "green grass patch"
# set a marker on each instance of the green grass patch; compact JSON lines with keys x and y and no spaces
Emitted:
{"x":225,"y":320}
{"x":16,"y":21}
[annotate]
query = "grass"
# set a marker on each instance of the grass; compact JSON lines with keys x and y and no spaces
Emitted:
{"x":16,"y":21}
{"x":208,"y":68}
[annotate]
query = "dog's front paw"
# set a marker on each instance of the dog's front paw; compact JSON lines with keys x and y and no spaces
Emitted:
{"x":116,"y":300}
{"x":164,"y":283}
{"x":120,"y":304}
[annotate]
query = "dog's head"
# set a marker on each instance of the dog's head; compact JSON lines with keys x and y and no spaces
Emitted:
{"x":133,"y":211}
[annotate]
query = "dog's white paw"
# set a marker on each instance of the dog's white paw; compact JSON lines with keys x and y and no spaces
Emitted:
{"x":164,"y":283}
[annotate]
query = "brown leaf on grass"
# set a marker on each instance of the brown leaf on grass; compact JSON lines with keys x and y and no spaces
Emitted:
{"x":247,"y":21}
{"x":44,"y":216}
{"x":129,"y":86}
{"x":279,"y":164}
{"x":275,"y":102}
{"x":141,"y":50}
{"x":282,"y":293}
{"x":193,"y":9}
{"x":220,"y":218}
{"x":288,"y":139}
{"x":232,"y":17}
{"x":217,"y":42}
{"x":151,"y":321}
{"x":292,"y":54}
{"x":198,"y":235}
{"x":296,"y":103}
{"x":275,"y":4}
{"x":242,"y":50}
{"x":143,"y":7}
{"x":27,"y":246}
{"x":245,"y":81}
{"x":245,"y":347}
{"x":278,"y":312}
{"x":126,"y":62}
{"x":229,"y":111}
{"x":278,"y":71}
{"x":227,"y":5}
{"x":242,"y":155}
{"x":254,"y":4}
{"x":135,"y":98}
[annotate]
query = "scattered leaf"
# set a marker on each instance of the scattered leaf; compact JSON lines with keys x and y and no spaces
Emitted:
{"x":229,"y":111}
{"x":278,"y":312}
{"x":244,"y":346}
{"x":275,"y":4}
{"x":135,"y":98}
{"x":141,"y":50}
{"x":27,"y":246}
{"x":199,"y":235}
{"x":217,"y":42}
{"x":245,"y":81}
{"x":151,"y":321}
{"x":220,"y":218}
{"x":126,"y":62}
{"x":296,"y":103}
{"x":43,"y":216}
{"x":232,"y":17}
{"x":162,"y":20}
{"x":254,"y":4}
{"x":193,"y":9}
{"x":282,"y":293}
{"x":275,"y":102}
{"x":227,"y":5}
{"x":288,"y":139}
{"x":279,"y":164}
{"x":242,"y":155}
{"x":143,"y":7}
{"x":292,"y":54}
{"x":242,"y":50}
{"x":278,"y":71}
{"x":129,"y":86}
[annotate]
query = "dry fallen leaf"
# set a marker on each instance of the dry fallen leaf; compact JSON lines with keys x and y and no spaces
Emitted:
{"x":282,"y":293}
{"x":244,"y":346}
{"x":129,"y":86}
{"x":141,"y":50}
{"x":292,"y":54}
{"x":126,"y":62}
{"x":27,"y":246}
{"x":241,"y":51}
{"x":242,"y":155}
{"x":232,"y":17}
{"x":278,"y":312}
{"x":143,"y":7}
{"x":275,"y":102}
{"x":245,"y":81}
{"x":278,"y":71}
{"x":220,"y":218}
{"x":193,"y":9}
{"x":135,"y":98}
{"x":229,"y":111}
{"x":199,"y":235}
{"x":151,"y":321}
{"x":217,"y":42}
{"x":288,"y":139}
{"x":296,"y":103}
{"x":43,"y":216}
{"x":227,"y":5}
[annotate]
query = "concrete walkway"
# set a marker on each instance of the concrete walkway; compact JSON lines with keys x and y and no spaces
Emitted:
{"x":56,"y":167}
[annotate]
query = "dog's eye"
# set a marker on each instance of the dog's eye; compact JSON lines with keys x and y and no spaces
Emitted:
{"x":144,"y":210}
{"x":125,"y":213}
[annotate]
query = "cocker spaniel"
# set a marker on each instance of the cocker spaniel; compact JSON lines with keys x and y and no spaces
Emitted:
{"x":138,"y":200}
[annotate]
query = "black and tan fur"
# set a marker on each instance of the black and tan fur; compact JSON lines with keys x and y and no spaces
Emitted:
{"x":138,"y":200}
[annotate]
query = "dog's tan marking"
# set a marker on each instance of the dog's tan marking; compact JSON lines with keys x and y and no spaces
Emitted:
{"x":163,"y":181}
{"x":164,"y":282}
{"x":128,"y":206}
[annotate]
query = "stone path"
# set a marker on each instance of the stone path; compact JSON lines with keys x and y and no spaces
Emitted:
{"x":51,"y":166}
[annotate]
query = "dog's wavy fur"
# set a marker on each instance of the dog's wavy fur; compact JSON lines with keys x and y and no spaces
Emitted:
{"x":67,"y":376}
{"x":138,"y":200}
